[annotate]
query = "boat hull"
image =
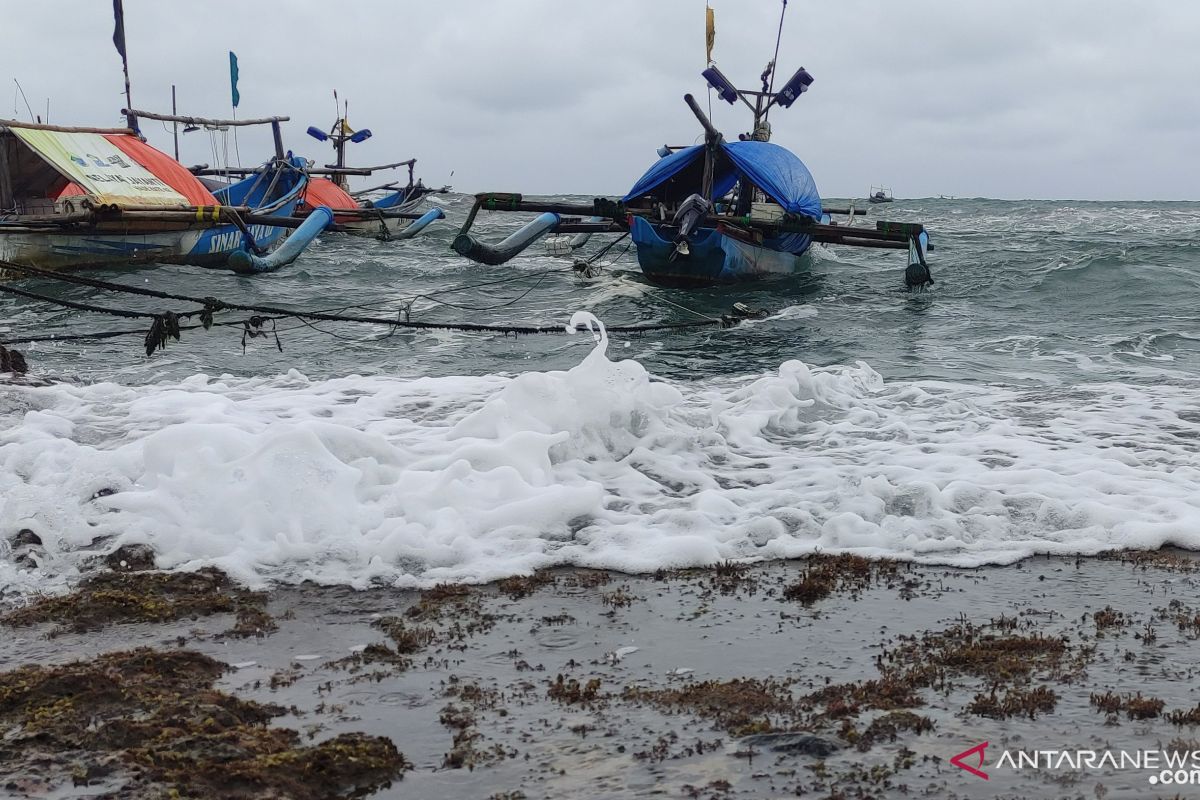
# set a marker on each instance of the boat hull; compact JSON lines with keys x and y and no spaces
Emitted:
{"x":65,"y":251}
{"x":715,"y":258}
{"x":113,"y":243}
{"x":385,"y":228}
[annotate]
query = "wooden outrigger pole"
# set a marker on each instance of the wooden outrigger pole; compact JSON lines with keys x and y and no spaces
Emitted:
{"x":276,"y":132}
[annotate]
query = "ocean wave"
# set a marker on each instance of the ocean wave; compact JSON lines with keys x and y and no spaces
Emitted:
{"x":382,"y":480}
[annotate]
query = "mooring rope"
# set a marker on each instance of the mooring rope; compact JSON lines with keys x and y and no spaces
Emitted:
{"x":166,"y":325}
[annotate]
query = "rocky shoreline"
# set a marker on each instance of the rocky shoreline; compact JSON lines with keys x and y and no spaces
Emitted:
{"x":829,"y":677}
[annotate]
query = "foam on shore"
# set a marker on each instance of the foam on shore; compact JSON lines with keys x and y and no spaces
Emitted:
{"x":359,"y":480}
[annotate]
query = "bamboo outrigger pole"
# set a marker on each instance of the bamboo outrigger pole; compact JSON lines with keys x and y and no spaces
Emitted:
{"x":133,"y":114}
{"x":12,"y":123}
{"x":203,"y":169}
{"x":202,"y":120}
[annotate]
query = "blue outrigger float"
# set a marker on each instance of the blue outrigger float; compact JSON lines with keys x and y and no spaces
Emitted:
{"x":722,"y":212}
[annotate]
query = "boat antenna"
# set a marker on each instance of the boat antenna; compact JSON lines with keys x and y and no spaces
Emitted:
{"x":775,"y":58}
{"x":710,"y":38}
{"x":23,"y":97}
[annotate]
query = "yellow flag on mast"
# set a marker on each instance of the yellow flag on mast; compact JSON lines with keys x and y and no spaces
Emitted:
{"x":710,"y":31}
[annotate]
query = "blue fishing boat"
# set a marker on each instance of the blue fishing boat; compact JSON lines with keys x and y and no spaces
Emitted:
{"x":721,"y":212}
{"x":762,"y":182}
{"x":273,"y":191}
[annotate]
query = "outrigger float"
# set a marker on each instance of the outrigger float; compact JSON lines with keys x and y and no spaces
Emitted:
{"x":717,"y":213}
{"x":74,"y":198}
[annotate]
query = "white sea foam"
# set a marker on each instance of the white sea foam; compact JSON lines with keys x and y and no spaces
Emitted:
{"x":363,"y":480}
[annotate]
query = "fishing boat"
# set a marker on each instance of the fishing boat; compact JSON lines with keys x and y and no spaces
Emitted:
{"x":75,"y":198}
{"x":879,"y":194}
{"x":721,"y":212}
{"x":390,"y":218}
{"x":390,"y":215}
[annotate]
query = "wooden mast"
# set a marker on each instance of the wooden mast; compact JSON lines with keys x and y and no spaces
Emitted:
{"x":712,"y":138}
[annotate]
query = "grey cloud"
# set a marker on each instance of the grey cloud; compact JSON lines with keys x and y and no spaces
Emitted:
{"x":1027,"y":98}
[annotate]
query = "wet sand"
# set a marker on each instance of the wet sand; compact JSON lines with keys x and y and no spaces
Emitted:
{"x":826,"y":678}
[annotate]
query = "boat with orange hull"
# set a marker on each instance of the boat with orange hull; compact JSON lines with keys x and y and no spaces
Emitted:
{"x":77,"y":198}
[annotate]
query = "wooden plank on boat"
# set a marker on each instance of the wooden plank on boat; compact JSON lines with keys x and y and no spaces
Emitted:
{"x":905,"y":229}
{"x":409,"y":163}
{"x":54,"y":220}
{"x":191,"y":209}
{"x":749,"y":235}
{"x":368,"y":214}
{"x":202,"y":120}
{"x":391,"y":185}
{"x":851,"y":240}
{"x":205,"y":171}
{"x":589,"y":227}
{"x":12,"y":123}
{"x":7,"y":200}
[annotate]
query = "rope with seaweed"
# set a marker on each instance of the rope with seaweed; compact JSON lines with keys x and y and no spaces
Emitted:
{"x":166,"y":325}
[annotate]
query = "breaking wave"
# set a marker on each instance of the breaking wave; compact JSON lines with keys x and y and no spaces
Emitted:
{"x":378,"y":480}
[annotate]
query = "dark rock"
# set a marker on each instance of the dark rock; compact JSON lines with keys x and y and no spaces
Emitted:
{"x":26,"y":538}
{"x":12,"y":361}
{"x":131,"y":558}
{"x":799,"y":744}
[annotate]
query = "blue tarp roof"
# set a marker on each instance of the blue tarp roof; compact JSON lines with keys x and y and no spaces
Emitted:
{"x":774,"y":169}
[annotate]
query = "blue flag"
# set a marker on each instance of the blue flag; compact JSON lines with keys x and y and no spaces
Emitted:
{"x":233,"y":78}
{"x":119,"y":27}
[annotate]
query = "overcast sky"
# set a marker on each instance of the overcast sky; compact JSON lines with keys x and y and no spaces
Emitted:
{"x":1014,"y":99}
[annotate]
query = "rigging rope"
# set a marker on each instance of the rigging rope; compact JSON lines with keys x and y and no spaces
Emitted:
{"x":775,"y":59}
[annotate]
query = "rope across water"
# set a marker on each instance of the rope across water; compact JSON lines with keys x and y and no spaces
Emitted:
{"x":167,"y":323}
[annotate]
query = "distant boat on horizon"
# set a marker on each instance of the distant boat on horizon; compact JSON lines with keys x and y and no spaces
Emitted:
{"x":880,"y":194}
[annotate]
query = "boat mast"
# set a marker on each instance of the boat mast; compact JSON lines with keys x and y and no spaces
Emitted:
{"x":339,"y":140}
{"x":768,"y":87}
{"x":339,"y":135}
{"x":119,"y":43}
{"x":712,"y":141}
{"x":764,"y":100}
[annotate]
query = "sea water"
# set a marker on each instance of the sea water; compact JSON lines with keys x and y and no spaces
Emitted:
{"x":1041,"y":397}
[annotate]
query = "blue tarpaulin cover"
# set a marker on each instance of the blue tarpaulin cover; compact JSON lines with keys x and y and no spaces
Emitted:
{"x":774,"y":169}
{"x":664,"y":169}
